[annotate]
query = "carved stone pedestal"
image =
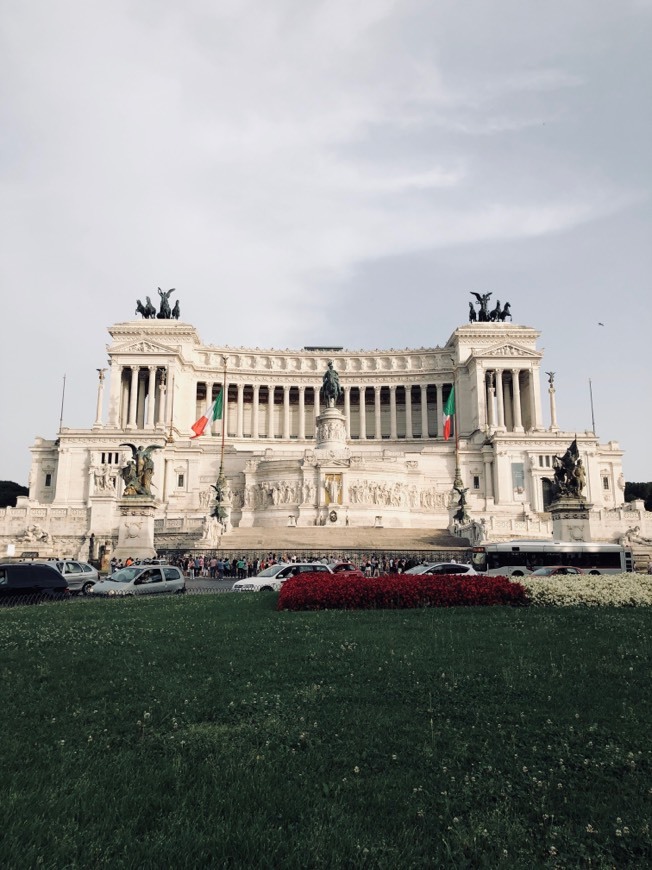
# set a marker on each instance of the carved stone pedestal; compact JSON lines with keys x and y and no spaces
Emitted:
{"x":570,"y":519}
{"x":331,"y":430}
{"x":136,"y":529}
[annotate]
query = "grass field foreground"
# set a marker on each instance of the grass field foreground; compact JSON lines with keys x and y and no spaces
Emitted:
{"x":215,"y":731}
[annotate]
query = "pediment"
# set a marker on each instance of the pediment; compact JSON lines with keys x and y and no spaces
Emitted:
{"x":508,"y":349}
{"x":144,"y":346}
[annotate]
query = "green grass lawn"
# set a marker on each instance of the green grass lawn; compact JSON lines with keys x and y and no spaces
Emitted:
{"x":214,"y":731}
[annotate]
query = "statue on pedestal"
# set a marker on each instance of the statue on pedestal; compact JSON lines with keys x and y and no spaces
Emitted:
{"x":570,"y":476}
{"x":138,"y":472}
{"x":331,"y":388}
{"x":483,"y":314}
{"x":147,"y":310}
{"x":460,"y":515}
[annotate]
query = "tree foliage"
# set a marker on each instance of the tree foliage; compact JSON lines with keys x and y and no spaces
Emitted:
{"x":639,"y":491}
{"x":9,"y":492}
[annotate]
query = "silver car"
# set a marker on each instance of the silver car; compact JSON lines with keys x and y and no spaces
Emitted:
{"x":142,"y":580}
{"x":81,"y":576}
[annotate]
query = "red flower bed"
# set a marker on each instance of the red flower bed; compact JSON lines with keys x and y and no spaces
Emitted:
{"x":397,"y":591}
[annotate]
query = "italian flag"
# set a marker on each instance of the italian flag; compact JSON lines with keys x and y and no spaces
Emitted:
{"x":213,"y":413}
{"x":449,"y":413}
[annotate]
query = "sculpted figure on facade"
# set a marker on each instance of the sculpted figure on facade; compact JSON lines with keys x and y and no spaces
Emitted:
{"x":483,"y":314}
{"x":104,"y":480}
{"x":138,"y":472}
{"x":165,"y":313}
{"x":34,"y":534}
{"x":333,"y":486}
{"x":570,"y":476}
{"x":147,"y":311}
{"x":211,"y":531}
{"x":483,"y":302}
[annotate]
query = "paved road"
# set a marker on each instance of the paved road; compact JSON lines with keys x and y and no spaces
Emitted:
{"x":204,"y":584}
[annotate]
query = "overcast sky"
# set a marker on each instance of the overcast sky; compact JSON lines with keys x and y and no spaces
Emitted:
{"x":341,"y":172}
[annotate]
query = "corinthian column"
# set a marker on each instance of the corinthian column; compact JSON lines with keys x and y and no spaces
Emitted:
{"x":254,"y":412}
{"x":516,"y":393}
{"x":408,"y":411}
{"x":286,"y":412}
{"x":424,"y":411}
{"x":500,"y":399}
{"x":239,"y":419}
{"x":377,"y":420}
{"x":100,"y":397}
{"x":151,"y":397}
{"x":302,"y":413}
{"x":133,"y":398}
{"x":347,"y":410}
{"x":270,"y":411}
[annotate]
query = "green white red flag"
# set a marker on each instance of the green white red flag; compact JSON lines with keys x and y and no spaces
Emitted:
{"x":449,"y":413}
{"x":213,"y":413}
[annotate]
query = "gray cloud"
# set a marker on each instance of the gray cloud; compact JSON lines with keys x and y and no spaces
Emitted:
{"x":344,"y":168}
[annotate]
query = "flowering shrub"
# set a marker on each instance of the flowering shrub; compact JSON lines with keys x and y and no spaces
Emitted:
{"x":614,"y":590}
{"x":396,"y":591}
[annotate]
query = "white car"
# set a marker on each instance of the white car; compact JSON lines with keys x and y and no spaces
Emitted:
{"x":272,"y":578}
{"x":142,"y":580}
{"x":442,"y":568}
{"x":81,"y":576}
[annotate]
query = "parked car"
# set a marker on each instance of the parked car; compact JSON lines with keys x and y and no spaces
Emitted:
{"x":553,"y":570}
{"x":142,"y":580}
{"x":32,"y":582}
{"x":442,"y":568}
{"x":272,"y":578}
{"x":81,"y":576}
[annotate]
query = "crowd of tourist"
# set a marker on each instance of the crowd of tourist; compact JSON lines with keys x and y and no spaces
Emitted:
{"x":239,"y":568}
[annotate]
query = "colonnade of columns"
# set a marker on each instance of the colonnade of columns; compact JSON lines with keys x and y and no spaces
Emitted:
{"x":511,"y":399}
{"x":142,"y":399}
{"x":285,"y":411}
{"x":392,"y":412}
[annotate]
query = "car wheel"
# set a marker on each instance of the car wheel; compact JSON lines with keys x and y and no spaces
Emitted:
{"x":594,"y":572}
{"x":86,"y":588}
{"x":180,"y":591}
{"x":45,"y":595}
{"x":266,"y":589}
{"x":517,"y":573}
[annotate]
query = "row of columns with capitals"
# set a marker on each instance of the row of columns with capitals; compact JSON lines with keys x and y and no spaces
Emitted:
{"x":140,"y":393}
{"x":497,"y":418}
{"x":238,"y":429}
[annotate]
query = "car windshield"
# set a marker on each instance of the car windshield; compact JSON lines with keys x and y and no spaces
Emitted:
{"x":125,"y":575}
{"x":272,"y":571}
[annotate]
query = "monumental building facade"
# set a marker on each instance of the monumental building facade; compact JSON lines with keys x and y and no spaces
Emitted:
{"x":383,"y":463}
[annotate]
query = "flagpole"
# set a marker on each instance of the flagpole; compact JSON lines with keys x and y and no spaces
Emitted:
{"x":458,"y":482}
{"x":224,"y":411}
{"x":63,"y":396}
{"x":218,"y":511}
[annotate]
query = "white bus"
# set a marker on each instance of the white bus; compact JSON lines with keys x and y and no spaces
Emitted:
{"x":518,"y":558}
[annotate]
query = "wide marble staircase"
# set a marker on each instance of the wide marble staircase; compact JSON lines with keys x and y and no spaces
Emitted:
{"x":342,"y":538}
